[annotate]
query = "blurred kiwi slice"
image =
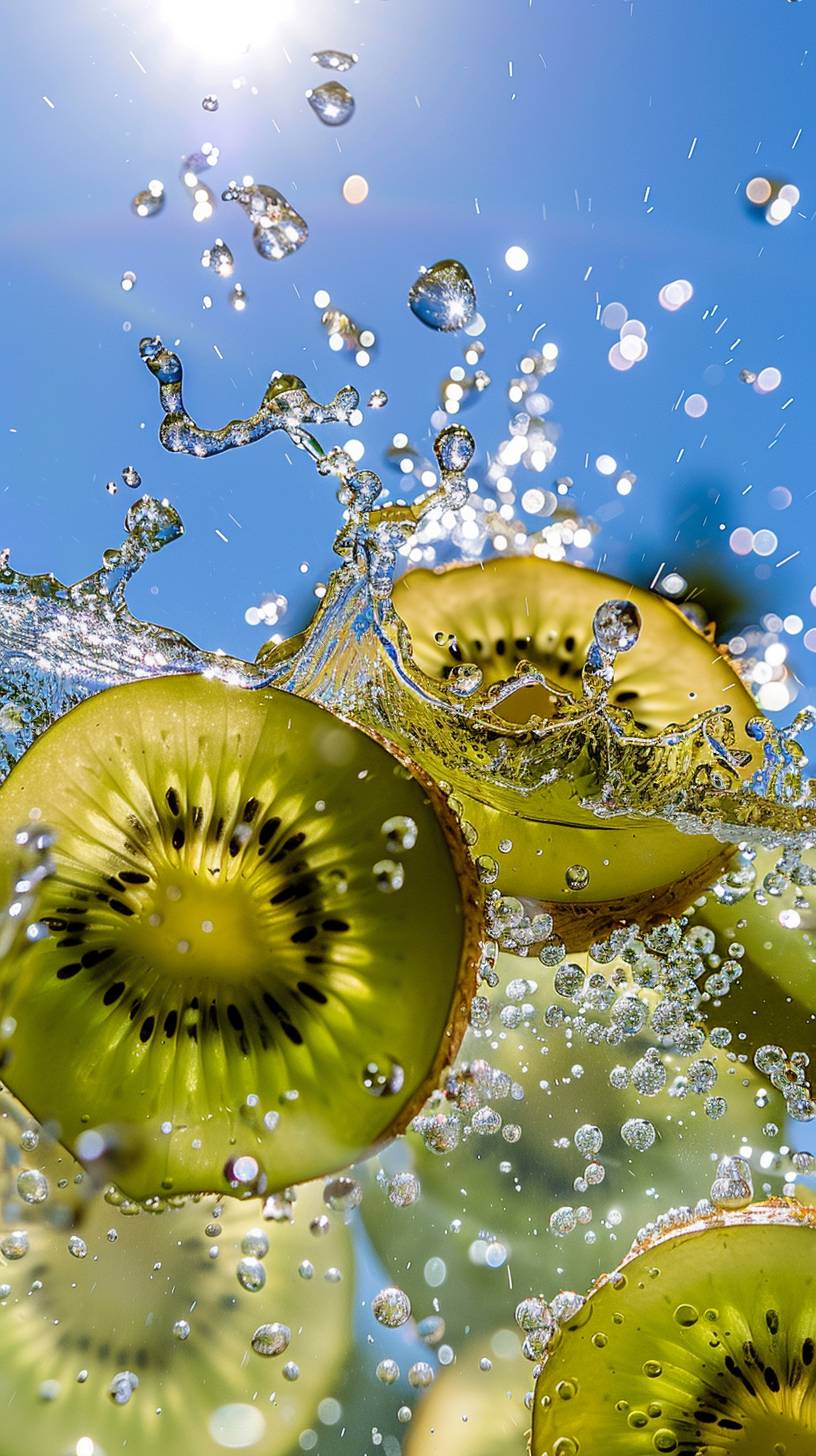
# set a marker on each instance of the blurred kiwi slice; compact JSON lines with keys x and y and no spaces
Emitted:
{"x":702,"y":1342}
{"x":771,"y":923}
{"x":506,"y":610}
{"x":491,"y":1175}
{"x":475,"y":1407}
{"x":263,"y":937}
{"x":132,"y":1332}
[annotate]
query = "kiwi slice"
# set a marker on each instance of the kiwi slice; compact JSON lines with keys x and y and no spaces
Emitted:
{"x":475,"y":1407}
{"x":263,"y":936}
{"x":507,"y":610}
{"x":484,"y":1209}
{"x":773,"y":1000}
{"x":158,"y":1297}
{"x":701,"y":1343}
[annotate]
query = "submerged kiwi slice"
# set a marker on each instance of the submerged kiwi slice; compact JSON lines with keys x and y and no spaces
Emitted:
{"x":263,"y":935}
{"x":773,"y":999}
{"x":134,"y":1334}
{"x":702,"y":1342}
{"x":507,"y":610}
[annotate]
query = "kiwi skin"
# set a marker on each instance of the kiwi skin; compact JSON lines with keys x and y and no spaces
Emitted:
{"x":120,"y":1086}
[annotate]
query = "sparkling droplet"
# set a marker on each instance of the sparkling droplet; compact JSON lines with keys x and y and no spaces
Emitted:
{"x":77,"y":1247}
{"x":251,"y":1274}
{"x":391,"y":1307}
{"x":576,"y":877}
{"x":616,"y":626}
{"x":14,"y":1245}
{"x":334,"y":60}
{"x":238,"y":298}
{"x":342,"y":1194}
{"x":277,"y":229}
{"x":387,"y":1371}
{"x":122,"y":1386}
{"x":400,"y":833}
{"x":383,"y":1077}
{"x":181,"y":1329}
{"x":131,"y":477}
{"x":149,"y":202}
{"x":637,"y":1133}
{"x":332,"y":103}
{"x":127,"y":281}
{"x":210,"y":103}
{"x":219,"y":258}
{"x":271,"y":1339}
{"x":32,"y":1186}
{"x":443,"y":296}
{"x":733,"y":1186}
{"x":255,"y":1243}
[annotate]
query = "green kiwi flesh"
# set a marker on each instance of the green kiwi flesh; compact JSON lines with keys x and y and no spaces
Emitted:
{"x":71,"y":1322}
{"x":507,"y":610}
{"x":702,"y":1343}
{"x":232,"y":988}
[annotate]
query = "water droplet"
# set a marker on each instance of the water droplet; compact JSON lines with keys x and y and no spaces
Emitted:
{"x":77,"y":1247}
{"x":332,"y":103}
{"x":255,"y":1243}
{"x":443,"y":296}
{"x":616,"y":626}
{"x":420,"y":1375}
{"x":391,"y":1307}
{"x":271,"y":1339}
{"x":131,"y":477}
{"x":335,"y":60}
{"x":342,"y":1194}
{"x":576,"y":877}
{"x":210,"y":103}
{"x":32,"y":1186}
{"x":377,"y":399}
{"x":454,"y":448}
{"x":219,"y":258}
{"x":733,"y":1186}
{"x":387,"y":1371}
{"x":127,"y":281}
{"x":389,"y":875}
{"x":588,"y":1139}
{"x":277,"y":229}
{"x":251,"y":1274}
{"x":122,"y":1386}
{"x":149,"y":202}
{"x":14,"y":1245}
{"x":400,"y":833}
{"x":238,"y":298}
{"x":403,"y":1190}
{"x":383,"y":1077}
{"x":637,"y":1133}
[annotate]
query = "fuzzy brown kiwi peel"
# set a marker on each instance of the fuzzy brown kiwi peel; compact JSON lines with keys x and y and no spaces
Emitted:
{"x":507,"y":610}
{"x":132,"y":1332}
{"x":264,"y":932}
{"x":703,"y":1342}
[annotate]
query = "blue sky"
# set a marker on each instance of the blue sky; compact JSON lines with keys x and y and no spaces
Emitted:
{"x":479,"y":125}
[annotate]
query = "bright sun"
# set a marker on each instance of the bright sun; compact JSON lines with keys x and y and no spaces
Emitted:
{"x":222,"y":29}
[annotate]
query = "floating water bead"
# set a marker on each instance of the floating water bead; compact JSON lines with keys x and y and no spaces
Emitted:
{"x":332,"y":103}
{"x":342,"y":1194}
{"x":733,"y":1186}
{"x":14,"y":1245}
{"x":335,"y":60}
{"x":391,"y":1307}
{"x":150,"y":201}
{"x":272,"y":1339}
{"x":637,"y":1133}
{"x":387,"y":1371}
{"x":443,"y":296}
{"x":251,"y":1274}
{"x":210,"y":103}
{"x":32,"y":1186}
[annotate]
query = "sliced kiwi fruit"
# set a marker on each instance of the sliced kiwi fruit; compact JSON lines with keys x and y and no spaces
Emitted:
{"x":701,"y":1343}
{"x":773,"y":999}
{"x":134,"y":1334}
{"x":504,"y":611}
{"x":475,"y":1407}
{"x":485,"y":1204}
{"x":263,"y":936}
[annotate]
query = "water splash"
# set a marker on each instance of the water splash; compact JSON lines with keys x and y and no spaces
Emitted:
{"x":60,"y":644}
{"x":278,"y":230}
{"x":356,"y":656}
